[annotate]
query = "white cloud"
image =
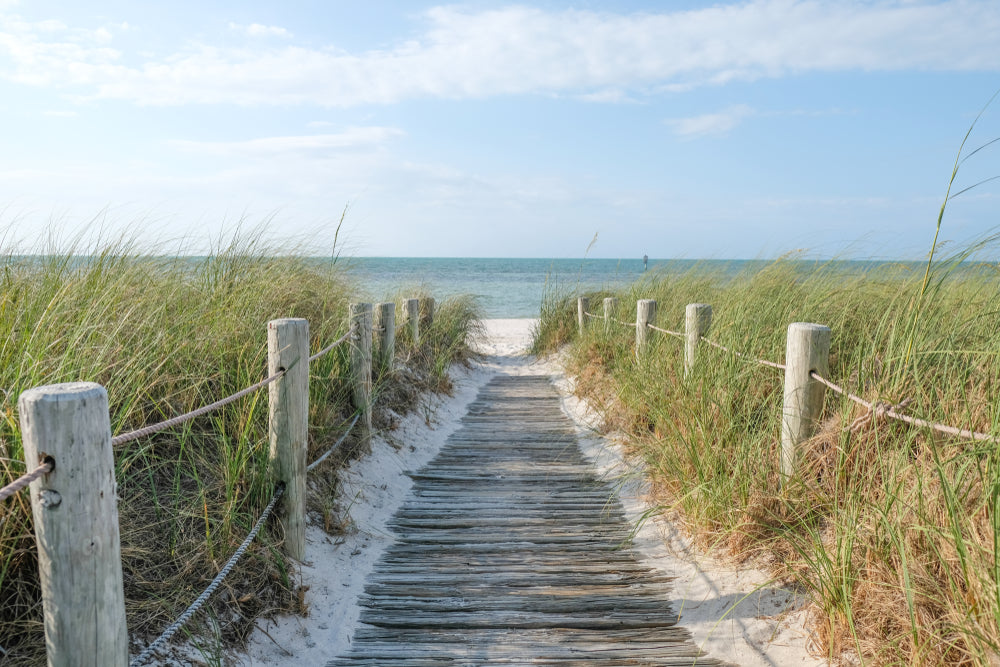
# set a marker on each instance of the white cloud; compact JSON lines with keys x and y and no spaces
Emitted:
{"x":60,"y":114}
{"x":712,"y":124}
{"x":258,"y":30}
{"x":319,"y":145}
{"x":523,"y":50}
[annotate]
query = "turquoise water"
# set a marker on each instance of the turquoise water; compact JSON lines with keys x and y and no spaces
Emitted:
{"x":504,"y":287}
{"x":514,"y":287}
{"x":507,"y":287}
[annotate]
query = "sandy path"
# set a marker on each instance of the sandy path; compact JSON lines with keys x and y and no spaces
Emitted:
{"x":734,"y":615}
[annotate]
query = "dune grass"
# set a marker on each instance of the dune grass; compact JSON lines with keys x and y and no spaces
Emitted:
{"x":164,"y":336}
{"x":892,"y":530}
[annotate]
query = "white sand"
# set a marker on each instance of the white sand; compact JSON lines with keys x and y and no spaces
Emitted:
{"x":738,"y":616}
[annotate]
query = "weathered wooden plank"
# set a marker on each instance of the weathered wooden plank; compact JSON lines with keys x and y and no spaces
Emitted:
{"x":510,"y":552}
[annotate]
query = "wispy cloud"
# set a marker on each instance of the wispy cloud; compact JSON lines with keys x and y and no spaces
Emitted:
{"x":258,"y":30}
{"x":465,"y":53}
{"x":60,"y":114}
{"x":317,"y":145}
{"x":711,"y":124}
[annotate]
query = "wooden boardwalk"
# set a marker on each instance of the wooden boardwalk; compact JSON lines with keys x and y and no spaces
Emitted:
{"x":509,"y":551}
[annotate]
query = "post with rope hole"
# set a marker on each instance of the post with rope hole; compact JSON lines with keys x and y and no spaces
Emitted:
{"x":697,"y":321}
{"x":807,"y":351}
{"x":582,"y":307}
{"x":288,"y":424}
{"x":411,"y":309}
{"x":361,"y":368}
{"x":385,"y":338}
{"x":610,"y":312}
{"x":75,"y":508}
{"x":645,"y":314}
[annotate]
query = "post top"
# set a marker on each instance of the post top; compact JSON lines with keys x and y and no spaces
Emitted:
{"x":285,"y":321}
{"x":808,"y":326}
{"x":64,"y":391}
{"x":698,"y":306}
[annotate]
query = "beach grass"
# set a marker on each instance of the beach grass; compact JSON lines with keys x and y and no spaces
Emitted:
{"x":166,"y":335}
{"x":892,"y":530}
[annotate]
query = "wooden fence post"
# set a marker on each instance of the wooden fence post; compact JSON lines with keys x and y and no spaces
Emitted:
{"x":807,"y":350}
{"x":288,"y":424}
{"x":697,"y":320}
{"x":75,"y":508}
{"x":582,"y":307}
{"x":645,"y":313}
{"x":361,"y":366}
{"x":610,"y":312}
{"x":412,"y":313}
{"x":385,"y":338}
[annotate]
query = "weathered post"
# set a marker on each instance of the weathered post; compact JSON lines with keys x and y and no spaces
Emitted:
{"x":411,"y":309}
{"x":76,"y":523}
{"x":288,"y":424}
{"x":385,"y":338}
{"x":645,"y":314}
{"x":582,"y":307}
{"x":697,"y":320}
{"x":426,"y":313}
{"x":807,"y":350}
{"x":361,"y":366}
{"x":610,"y":312}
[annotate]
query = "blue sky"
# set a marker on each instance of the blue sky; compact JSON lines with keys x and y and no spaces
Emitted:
{"x":674,"y":129}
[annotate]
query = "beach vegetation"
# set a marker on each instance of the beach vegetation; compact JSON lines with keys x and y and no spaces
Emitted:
{"x":165,"y":335}
{"x":891,"y":530}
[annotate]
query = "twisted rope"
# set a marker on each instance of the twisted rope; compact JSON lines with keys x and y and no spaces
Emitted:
{"x":143,"y":657}
{"x":337,"y":444}
{"x":627,"y":324}
{"x":24,"y":480}
{"x":666,"y":331}
{"x":596,"y":317}
{"x":762,"y":362}
{"x":881,"y":409}
{"x":188,"y":416}
{"x":332,"y":345}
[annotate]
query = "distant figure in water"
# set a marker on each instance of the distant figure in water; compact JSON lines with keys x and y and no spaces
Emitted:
{"x":645,"y":262}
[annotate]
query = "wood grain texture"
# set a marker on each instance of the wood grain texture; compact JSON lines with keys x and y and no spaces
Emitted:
{"x":288,"y":424}
{"x":510,"y":552}
{"x":76,"y":523}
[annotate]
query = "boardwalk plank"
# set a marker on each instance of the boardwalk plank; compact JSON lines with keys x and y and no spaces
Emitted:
{"x":510,"y":552}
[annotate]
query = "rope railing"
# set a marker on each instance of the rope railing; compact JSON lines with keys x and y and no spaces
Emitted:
{"x":197,"y":604}
{"x":211,"y":407}
{"x":607,"y":318}
{"x":24,"y":480}
{"x":87,"y":403}
{"x":322,"y":458}
{"x":188,"y":416}
{"x":763,"y":362}
{"x":875,"y":410}
{"x":665,"y":331}
{"x":334,"y":344}
{"x":880,"y":409}
{"x":160,"y":641}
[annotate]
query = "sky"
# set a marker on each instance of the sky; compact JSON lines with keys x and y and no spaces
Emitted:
{"x":489,"y":129}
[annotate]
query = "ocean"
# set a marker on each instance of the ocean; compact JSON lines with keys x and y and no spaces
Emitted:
{"x":513,"y":288}
{"x":507,"y":287}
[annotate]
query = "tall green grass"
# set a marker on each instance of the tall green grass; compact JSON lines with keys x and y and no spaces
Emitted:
{"x":164,"y":336}
{"x":892,"y":530}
